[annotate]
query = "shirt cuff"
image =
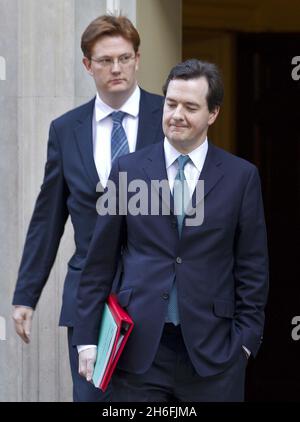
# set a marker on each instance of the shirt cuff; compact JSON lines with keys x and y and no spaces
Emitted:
{"x":247,"y":351}
{"x":81,"y":348}
{"x":25,"y":306}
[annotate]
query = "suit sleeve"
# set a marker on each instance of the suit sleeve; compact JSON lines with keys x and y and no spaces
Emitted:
{"x":100,"y":267}
{"x":45,"y":229}
{"x":251,"y":265}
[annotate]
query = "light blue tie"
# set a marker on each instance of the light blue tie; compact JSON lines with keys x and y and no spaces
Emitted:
{"x":180,"y":201}
{"x":119,"y":142}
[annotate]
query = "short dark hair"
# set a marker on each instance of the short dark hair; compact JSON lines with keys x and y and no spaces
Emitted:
{"x":109,"y":25}
{"x":194,"y":69}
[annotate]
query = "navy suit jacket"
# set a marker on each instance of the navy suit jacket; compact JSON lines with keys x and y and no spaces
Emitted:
{"x":221,"y":276}
{"x":69,"y":188}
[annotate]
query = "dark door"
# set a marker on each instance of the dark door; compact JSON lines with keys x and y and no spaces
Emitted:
{"x":268,"y":134}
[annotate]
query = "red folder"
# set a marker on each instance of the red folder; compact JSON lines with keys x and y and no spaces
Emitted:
{"x":124,"y":327}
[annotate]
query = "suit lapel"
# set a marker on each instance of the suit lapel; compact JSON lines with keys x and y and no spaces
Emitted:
{"x":210,"y":174}
{"x":155,"y":169}
{"x":148,"y":119}
{"x":84,"y":138}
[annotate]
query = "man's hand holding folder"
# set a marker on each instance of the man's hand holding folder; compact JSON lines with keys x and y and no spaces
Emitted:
{"x":97,"y":364}
{"x":87,"y":359}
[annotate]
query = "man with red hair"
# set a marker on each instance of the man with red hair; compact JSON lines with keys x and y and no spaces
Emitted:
{"x":82,"y":145}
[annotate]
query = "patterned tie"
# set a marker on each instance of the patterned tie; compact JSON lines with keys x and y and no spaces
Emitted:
{"x":181,"y":197}
{"x":119,"y":142}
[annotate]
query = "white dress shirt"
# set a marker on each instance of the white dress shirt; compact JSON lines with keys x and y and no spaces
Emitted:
{"x":192,"y":169}
{"x":102,"y":127}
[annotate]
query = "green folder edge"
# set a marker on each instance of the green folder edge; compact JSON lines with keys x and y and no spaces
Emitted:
{"x":107,"y":334}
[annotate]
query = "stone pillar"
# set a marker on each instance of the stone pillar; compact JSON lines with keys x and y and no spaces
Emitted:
{"x":9,"y":224}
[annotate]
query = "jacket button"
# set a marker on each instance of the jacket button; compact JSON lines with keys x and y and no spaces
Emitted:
{"x":165,"y":296}
{"x":178,"y":260}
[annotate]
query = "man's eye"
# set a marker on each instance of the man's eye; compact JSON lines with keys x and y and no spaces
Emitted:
{"x":125,"y":59}
{"x":171,"y":105}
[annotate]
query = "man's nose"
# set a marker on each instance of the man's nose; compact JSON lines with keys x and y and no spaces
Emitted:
{"x":178,"y":114}
{"x":115,"y":66}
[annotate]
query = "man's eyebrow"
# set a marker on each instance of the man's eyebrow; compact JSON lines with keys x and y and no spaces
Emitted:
{"x":106,"y":56}
{"x":188,"y":103}
{"x":103,"y":57}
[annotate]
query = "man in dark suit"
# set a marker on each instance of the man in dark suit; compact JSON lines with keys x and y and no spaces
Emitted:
{"x":82,"y":145}
{"x":196,"y":292}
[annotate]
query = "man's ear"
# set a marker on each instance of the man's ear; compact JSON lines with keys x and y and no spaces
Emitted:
{"x":137,"y":60}
{"x":88,"y":65}
{"x":213,"y":115}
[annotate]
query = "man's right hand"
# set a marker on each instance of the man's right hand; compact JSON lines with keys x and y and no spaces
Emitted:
{"x":22,"y":316}
{"x":87,"y":359}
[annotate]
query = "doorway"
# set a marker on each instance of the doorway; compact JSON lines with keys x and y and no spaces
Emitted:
{"x":268,"y":134}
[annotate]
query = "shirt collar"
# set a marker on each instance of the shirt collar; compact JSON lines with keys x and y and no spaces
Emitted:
{"x":131,"y":106}
{"x":197,"y":156}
